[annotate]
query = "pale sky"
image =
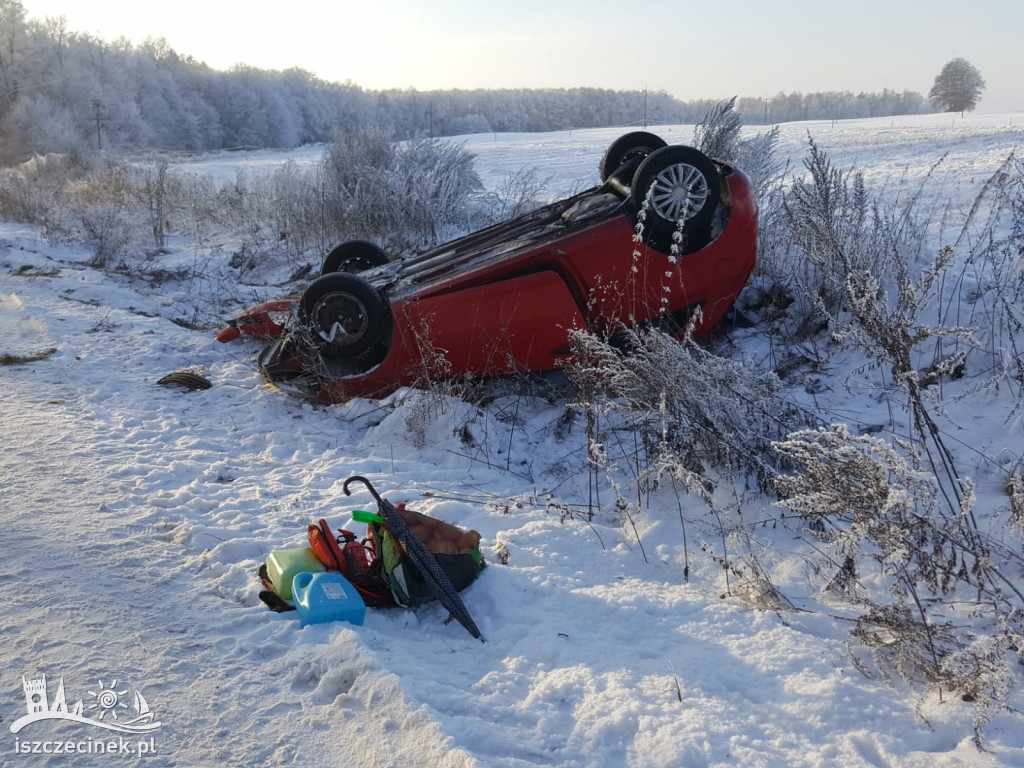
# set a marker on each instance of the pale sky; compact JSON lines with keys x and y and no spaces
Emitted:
{"x":707,"y":49}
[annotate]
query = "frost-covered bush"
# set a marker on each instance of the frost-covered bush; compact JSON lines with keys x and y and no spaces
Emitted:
{"x":718,"y":134}
{"x":692,"y":408}
{"x":108,"y":232}
{"x":518,"y":193}
{"x":97,"y":207}
{"x":893,"y":520}
{"x":30,"y":192}
{"x":118,"y":208}
{"x":990,"y":288}
{"x":278,"y":215}
{"x":838,"y":230}
{"x":404,"y":196}
{"x":879,"y":514}
{"x":17,"y":201}
{"x":757,"y":158}
{"x":822,"y":230}
{"x":663,"y":413}
{"x":859,"y":494}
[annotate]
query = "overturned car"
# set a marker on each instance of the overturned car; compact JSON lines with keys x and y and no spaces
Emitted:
{"x":667,"y":240}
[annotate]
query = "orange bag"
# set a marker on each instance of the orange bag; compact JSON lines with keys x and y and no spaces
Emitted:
{"x":355,"y":561}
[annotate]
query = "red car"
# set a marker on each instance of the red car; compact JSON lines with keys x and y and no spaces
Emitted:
{"x":667,"y":232}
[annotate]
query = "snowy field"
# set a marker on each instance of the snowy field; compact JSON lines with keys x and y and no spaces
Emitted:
{"x":134,"y":517}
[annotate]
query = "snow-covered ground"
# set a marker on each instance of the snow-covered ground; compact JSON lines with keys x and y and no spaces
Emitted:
{"x":134,"y":517}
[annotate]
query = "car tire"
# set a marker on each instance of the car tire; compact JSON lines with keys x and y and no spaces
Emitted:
{"x":345,"y":315}
{"x":354,"y":256}
{"x":630,"y":148}
{"x":676,"y":186}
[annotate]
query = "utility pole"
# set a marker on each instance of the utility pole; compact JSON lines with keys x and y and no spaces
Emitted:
{"x":645,"y":106}
{"x":96,"y":106}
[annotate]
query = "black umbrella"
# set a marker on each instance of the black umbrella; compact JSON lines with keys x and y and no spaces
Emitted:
{"x":421,"y":558}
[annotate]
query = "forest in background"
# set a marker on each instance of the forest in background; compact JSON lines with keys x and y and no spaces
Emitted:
{"x":69,"y":92}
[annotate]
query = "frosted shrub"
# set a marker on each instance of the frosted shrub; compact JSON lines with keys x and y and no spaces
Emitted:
{"x":17,"y":202}
{"x":693,"y":407}
{"x":994,"y":240}
{"x":669,"y":413}
{"x":31,"y":197}
{"x":821,"y":230}
{"x":892,"y":331}
{"x":756,"y":157}
{"x":516,"y":194}
{"x":116,"y":207}
{"x":880,"y":294}
{"x":108,"y":232}
{"x":96,"y":208}
{"x":981,"y":672}
{"x":903,"y":509}
{"x":166,"y":200}
{"x":296,"y":216}
{"x":868,"y":502}
{"x":404,"y":196}
{"x":718,"y":134}
{"x":831,"y":221}
{"x":278,"y":215}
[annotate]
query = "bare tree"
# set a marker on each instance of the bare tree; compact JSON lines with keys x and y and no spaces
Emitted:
{"x":12,"y":29}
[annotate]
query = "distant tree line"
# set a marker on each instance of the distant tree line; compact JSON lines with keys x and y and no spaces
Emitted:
{"x":69,"y":92}
{"x":830,"y":105}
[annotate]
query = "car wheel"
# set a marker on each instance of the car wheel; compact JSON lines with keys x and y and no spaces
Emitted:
{"x":354,"y":256}
{"x":630,"y":148}
{"x":345,"y":315}
{"x":677,"y":187}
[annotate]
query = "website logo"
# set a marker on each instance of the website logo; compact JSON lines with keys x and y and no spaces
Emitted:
{"x":107,"y":707}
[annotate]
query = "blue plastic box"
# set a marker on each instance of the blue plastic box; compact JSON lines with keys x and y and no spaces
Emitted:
{"x":328,"y":596}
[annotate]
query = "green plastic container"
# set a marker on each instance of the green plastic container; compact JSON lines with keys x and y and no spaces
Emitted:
{"x":284,"y":564}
